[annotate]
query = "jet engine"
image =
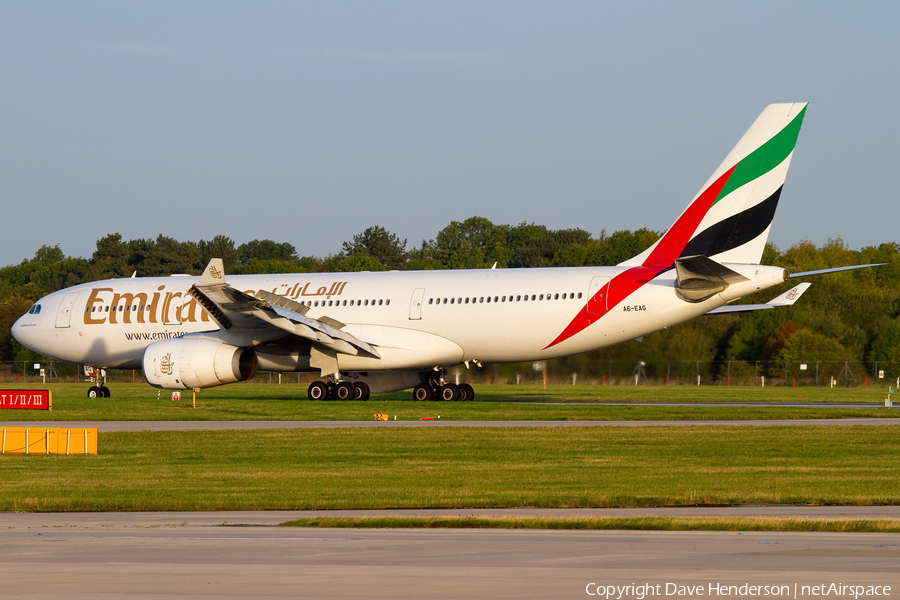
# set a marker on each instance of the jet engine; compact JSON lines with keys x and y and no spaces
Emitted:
{"x":196,"y":363}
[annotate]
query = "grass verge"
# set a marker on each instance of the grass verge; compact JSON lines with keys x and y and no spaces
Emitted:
{"x":608,"y":523}
{"x":139,"y":402}
{"x":358,"y":468}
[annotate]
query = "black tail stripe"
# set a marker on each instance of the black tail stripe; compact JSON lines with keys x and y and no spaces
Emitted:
{"x":734,"y":231}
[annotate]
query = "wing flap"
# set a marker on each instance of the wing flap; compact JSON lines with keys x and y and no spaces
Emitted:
{"x":230,"y":307}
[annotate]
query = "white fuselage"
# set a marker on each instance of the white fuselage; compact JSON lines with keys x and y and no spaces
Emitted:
{"x":417,"y":319}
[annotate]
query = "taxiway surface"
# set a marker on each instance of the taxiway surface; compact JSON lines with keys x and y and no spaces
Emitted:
{"x":149,"y":555}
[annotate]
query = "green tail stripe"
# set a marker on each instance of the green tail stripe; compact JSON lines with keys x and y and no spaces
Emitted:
{"x":765,"y":158}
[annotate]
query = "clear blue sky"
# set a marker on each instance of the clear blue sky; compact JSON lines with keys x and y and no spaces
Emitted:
{"x":308,"y":122}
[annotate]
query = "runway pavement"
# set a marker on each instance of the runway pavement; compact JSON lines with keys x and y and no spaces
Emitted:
{"x":178,"y":555}
{"x":104,"y":426}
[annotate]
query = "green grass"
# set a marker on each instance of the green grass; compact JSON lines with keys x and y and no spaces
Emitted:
{"x":357,"y":468}
{"x":608,"y":523}
{"x":495,"y":402}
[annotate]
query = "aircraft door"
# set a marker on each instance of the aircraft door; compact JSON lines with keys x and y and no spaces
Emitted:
{"x":415,"y":305}
{"x":64,"y":315}
{"x":597,"y":295}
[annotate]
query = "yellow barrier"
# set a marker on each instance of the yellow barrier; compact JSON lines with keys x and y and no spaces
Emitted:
{"x":49,"y":440}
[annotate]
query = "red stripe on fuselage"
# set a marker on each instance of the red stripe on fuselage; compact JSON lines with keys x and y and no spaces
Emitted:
{"x":621,"y":286}
{"x":661,"y":258}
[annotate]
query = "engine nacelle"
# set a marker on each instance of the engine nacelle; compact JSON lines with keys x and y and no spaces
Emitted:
{"x":183,"y":364}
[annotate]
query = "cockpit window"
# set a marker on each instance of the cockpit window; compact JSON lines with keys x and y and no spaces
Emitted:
{"x":35,"y":310}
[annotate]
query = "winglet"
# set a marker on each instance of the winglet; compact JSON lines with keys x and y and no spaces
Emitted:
{"x":213,"y":274}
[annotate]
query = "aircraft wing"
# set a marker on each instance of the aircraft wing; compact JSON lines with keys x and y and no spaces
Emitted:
{"x":785,"y":299}
{"x":232,"y":308}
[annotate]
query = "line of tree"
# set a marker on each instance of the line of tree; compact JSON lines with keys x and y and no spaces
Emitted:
{"x":853,"y":316}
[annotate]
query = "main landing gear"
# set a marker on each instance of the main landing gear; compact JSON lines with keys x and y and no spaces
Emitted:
{"x":98,"y":376}
{"x":437,"y":389}
{"x":338,"y":390}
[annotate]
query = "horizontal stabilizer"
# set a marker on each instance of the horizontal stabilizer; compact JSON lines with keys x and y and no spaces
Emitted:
{"x":834,"y":270}
{"x":785,"y":299}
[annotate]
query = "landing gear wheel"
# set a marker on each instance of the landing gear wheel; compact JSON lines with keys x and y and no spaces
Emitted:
{"x":105,"y":391}
{"x":466,"y":393}
{"x":317,"y":391}
{"x":344,"y":391}
{"x":423,"y":392}
{"x":448,"y":392}
{"x":362,"y":391}
{"x":94,"y":392}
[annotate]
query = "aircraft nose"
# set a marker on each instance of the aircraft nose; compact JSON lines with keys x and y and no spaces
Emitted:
{"x":24,"y":330}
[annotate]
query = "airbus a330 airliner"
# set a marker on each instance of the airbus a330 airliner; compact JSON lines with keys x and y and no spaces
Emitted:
{"x":377,"y":332}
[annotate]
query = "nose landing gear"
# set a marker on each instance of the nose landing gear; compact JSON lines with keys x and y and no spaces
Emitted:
{"x":98,"y":377}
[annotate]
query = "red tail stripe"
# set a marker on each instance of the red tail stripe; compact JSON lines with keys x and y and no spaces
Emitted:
{"x":673,"y":242}
{"x":664,"y":254}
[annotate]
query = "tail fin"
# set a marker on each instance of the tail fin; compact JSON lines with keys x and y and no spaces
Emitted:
{"x":731,"y":216}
